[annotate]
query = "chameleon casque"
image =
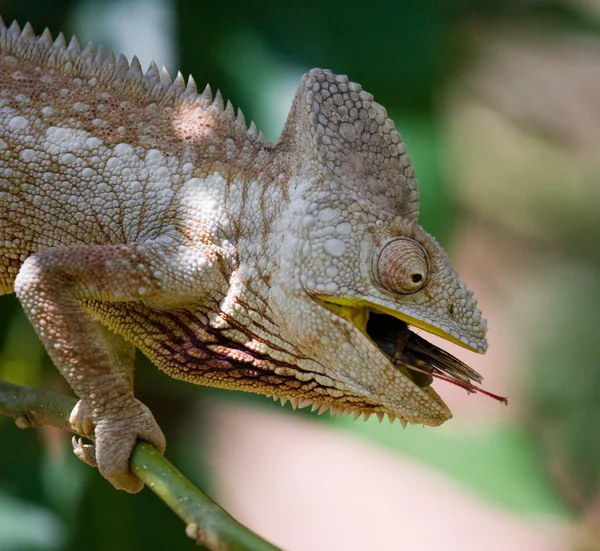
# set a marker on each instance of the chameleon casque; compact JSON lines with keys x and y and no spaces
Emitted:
{"x":137,"y":213}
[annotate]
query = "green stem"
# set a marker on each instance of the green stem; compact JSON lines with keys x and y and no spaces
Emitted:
{"x":207,"y":523}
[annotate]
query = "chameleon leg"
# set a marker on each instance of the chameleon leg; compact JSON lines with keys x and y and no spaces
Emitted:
{"x":121,"y":352}
{"x":122,"y":356}
{"x":52,"y":286}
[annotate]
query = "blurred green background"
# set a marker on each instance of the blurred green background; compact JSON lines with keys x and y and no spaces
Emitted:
{"x":499,"y":103}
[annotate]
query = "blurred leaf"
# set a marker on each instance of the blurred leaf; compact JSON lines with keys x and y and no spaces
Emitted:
{"x":44,"y":530}
{"x":22,"y":354}
{"x":424,"y":145}
{"x":565,"y":381}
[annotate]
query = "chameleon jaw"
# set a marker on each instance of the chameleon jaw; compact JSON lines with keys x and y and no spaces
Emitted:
{"x":323,"y":406}
{"x":416,"y":358}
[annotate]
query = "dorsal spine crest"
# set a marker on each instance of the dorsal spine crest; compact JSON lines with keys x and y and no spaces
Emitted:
{"x":157,"y":85}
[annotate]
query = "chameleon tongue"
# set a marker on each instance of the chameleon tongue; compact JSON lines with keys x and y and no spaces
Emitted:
{"x":469,"y":387}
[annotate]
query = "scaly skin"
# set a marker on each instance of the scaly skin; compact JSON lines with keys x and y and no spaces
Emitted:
{"x":130,"y":202}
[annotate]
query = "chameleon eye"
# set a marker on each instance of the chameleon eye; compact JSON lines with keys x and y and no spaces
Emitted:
{"x":402,"y":266}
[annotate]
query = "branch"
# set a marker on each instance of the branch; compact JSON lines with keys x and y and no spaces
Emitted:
{"x":207,"y":523}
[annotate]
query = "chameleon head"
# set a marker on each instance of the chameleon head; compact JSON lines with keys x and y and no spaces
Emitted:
{"x":403,"y":272}
{"x":353,"y":249}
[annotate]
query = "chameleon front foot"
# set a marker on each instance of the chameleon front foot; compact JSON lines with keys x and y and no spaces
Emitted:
{"x":115,"y":439}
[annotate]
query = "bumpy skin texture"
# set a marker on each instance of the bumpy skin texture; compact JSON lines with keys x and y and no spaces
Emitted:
{"x":135,"y":212}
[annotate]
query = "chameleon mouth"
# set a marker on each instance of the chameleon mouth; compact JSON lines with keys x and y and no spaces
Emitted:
{"x":416,"y":358}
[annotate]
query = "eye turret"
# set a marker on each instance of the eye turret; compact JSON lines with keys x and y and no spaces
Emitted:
{"x":401,"y":266}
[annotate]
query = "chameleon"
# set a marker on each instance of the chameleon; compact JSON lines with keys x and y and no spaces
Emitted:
{"x":139,"y":213}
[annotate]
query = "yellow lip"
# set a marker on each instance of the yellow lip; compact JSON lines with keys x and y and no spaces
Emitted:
{"x":357,"y":311}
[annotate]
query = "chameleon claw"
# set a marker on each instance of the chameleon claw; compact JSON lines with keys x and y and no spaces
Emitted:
{"x":84,"y":452}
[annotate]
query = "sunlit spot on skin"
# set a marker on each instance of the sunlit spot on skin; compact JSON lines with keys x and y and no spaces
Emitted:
{"x":193,"y":123}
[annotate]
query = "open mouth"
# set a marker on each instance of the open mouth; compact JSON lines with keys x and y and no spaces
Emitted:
{"x":417,"y":358}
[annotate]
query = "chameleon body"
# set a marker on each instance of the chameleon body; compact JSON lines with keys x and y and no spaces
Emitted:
{"x":137,"y":213}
